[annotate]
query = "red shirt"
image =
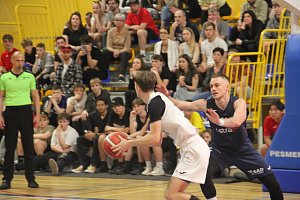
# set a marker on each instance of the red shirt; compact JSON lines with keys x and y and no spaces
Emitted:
{"x":5,"y":59}
{"x":142,"y":17}
{"x":270,"y":126}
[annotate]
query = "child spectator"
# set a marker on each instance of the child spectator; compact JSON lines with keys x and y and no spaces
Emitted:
{"x":5,"y":60}
{"x":206,"y":135}
{"x":271,"y":124}
{"x":30,"y":52}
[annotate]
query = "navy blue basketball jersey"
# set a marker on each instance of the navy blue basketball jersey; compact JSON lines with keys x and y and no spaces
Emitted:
{"x":227,"y":138}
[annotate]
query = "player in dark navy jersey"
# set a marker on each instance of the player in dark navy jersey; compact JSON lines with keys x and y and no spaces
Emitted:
{"x":164,"y":116}
{"x":230,"y":144}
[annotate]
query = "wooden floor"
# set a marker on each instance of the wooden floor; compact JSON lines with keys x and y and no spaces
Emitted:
{"x":61,"y":187}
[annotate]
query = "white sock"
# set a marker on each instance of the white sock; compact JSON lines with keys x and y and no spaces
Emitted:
{"x":143,"y":52}
{"x":159,"y":165}
{"x":148,"y":164}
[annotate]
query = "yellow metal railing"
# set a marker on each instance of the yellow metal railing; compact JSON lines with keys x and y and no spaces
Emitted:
{"x":246,"y":81}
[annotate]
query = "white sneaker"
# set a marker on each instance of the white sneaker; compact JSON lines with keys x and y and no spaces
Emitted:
{"x":78,"y":170}
{"x":91,"y":169}
{"x":157,"y":172}
{"x":53,"y":166}
{"x":147,"y":171}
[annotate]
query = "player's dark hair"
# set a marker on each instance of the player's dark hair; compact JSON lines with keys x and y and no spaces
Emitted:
{"x":278,"y":104}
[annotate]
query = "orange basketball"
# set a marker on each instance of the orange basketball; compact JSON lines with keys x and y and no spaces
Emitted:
{"x":111,"y":140}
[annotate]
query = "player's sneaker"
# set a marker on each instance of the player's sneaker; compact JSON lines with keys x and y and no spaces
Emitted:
{"x":53,"y":166}
{"x":78,"y":170}
{"x":157,"y":172}
{"x":147,"y":171}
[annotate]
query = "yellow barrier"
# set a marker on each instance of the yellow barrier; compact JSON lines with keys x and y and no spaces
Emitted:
{"x":34,"y":23}
{"x":246,"y":81}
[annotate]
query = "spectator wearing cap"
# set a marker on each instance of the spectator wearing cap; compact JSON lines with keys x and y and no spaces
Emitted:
{"x":141,"y":25}
{"x":118,"y":45}
{"x":117,"y":121}
{"x":5,"y":60}
{"x":68,"y":72}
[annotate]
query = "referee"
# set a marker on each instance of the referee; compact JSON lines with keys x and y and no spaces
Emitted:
{"x":17,"y":86}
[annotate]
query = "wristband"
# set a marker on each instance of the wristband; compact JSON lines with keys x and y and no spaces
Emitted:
{"x":221,"y":122}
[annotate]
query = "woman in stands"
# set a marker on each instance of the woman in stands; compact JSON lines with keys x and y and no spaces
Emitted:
{"x":100,"y":24}
{"x":248,"y":39}
{"x":187,"y":79}
{"x":74,"y":30}
{"x":168,"y":49}
{"x":189,"y":46}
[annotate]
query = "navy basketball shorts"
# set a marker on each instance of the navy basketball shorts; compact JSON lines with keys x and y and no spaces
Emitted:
{"x":246,"y":158}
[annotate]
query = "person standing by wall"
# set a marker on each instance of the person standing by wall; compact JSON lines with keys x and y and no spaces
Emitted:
{"x":18,"y":87}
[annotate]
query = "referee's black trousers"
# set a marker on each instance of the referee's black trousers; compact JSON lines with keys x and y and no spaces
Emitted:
{"x":18,"y":118}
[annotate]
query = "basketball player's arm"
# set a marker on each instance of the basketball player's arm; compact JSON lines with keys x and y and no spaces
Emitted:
{"x":199,"y":105}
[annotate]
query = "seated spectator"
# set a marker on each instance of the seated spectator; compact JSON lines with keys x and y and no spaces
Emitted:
{"x":274,"y":23}
{"x":43,"y":67}
{"x":117,"y":121}
{"x":30,"y":52}
{"x":187,"y":79}
{"x":97,"y":92}
{"x":222,"y":27}
{"x":248,"y":39}
{"x":208,"y":45}
{"x":59,"y":42}
{"x":114,"y":8}
{"x":5,"y":61}
{"x":63,"y":144}
{"x":151,"y":6}
{"x":88,"y":25}
{"x":141,"y":25}
{"x":259,"y":7}
{"x":98,"y":120}
{"x":54,"y":104}
{"x":219,"y":67}
{"x":271,"y":124}
{"x":192,"y":7}
{"x":75,"y":108}
{"x":100,"y":24}
{"x":74,"y":31}
{"x":130,"y":94}
{"x":90,"y":59}
{"x":158,"y":68}
{"x":179,"y":24}
{"x":68,"y":72}
{"x":118,"y":45}
{"x":221,"y":5}
{"x":167,"y":13}
{"x":41,"y":138}
{"x":189,"y":47}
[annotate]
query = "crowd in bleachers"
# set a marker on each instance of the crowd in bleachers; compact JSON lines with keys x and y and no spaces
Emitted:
{"x":185,"y":57}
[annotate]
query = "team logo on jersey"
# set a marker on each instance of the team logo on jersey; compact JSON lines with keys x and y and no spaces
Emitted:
{"x":224,"y":130}
{"x":256,"y":171}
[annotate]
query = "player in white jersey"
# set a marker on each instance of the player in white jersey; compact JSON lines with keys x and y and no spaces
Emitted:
{"x":164,"y":116}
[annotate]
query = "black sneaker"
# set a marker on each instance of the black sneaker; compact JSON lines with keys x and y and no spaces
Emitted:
{"x":33,"y":184}
{"x":102,"y":169}
{"x":137,"y":171}
{"x":5,"y":185}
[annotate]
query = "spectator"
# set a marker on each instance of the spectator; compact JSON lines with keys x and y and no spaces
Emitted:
{"x":189,"y":46}
{"x":5,"y":62}
{"x":90,"y":58}
{"x":54,"y":104}
{"x":75,"y":108}
{"x":43,"y":67}
{"x":74,"y":31}
{"x":141,"y":25}
{"x":100,"y":24}
{"x":167,"y":14}
{"x":151,"y":6}
{"x":114,"y":8}
{"x":221,"y":5}
{"x":41,"y":137}
{"x":187,"y":79}
{"x":118,"y":45}
{"x":208,"y":45}
{"x":98,"y":120}
{"x":63,"y":143}
{"x":168,"y":49}
{"x":259,"y":7}
{"x":68,"y":73}
{"x":60,"y":42}
{"x":19,"y":89}
{"x":271,"y":124}
{"x":97,"y":92}
{"x":179,"y":24}
{"x":206,"y":135}
{"x":158,"y":68}
{"x":88,"y":25}
{"x":30,"y":53}
{"x":117,"y":121}
{"x":248,"y":39}
{"x":222,"y":27}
